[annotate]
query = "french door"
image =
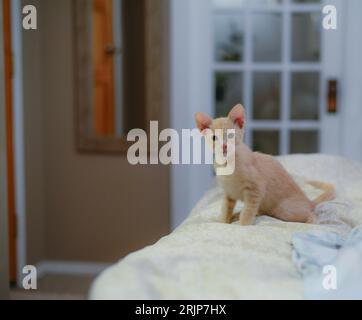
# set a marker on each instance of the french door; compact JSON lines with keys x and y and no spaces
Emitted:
{"x":275,"y":57}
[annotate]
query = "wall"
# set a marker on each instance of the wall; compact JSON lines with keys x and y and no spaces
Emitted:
{"x":190,"y":86}
{"x":89,"y":207}
{"x":351,"y":93}
{"x":34,"y":139}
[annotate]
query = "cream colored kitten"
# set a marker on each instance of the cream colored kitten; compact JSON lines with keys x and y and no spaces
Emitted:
{"x":259,"y":180}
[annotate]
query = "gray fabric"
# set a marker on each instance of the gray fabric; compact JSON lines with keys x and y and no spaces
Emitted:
{"x":314,"y":251}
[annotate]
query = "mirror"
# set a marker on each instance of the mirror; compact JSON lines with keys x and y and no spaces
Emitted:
{"x":118,"y":70}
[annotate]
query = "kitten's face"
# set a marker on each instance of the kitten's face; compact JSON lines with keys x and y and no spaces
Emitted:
{"x":223,"y":135}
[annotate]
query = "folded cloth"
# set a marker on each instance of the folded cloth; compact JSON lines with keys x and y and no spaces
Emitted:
{"x":330,"y":264}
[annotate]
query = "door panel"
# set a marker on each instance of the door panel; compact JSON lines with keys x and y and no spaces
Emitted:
{"x":103,"y":62}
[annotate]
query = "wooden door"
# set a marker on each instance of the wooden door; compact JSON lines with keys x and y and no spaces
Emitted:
{"x":103,"y":64}
{"x":9,"y":135}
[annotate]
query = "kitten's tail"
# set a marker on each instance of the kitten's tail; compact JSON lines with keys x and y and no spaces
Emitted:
{"x":329,"y":191}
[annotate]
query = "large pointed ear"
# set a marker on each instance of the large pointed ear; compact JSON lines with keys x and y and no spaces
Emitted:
{"x":237,"y":115}
{"x":203,"y":121}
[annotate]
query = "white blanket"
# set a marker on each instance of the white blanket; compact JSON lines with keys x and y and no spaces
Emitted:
{"x":206,"y":259}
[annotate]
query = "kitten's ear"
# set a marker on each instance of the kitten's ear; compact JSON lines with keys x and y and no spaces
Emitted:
{"x":203,"y":121}
{"x":237,"y":115}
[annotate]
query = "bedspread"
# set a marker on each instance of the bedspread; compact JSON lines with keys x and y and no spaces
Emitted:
{"x":206,"y":259}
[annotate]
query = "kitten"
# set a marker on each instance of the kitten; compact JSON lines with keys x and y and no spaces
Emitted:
{"x":259,"y":180}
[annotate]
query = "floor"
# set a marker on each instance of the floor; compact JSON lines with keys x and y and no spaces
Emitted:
{"x":56,"y":287}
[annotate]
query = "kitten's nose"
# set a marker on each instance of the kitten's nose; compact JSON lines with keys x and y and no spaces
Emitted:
{"x":224,"y":148}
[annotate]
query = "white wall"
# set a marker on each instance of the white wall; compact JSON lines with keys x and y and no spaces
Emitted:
{"x":190,"y":88}
{"x":351,"y":86}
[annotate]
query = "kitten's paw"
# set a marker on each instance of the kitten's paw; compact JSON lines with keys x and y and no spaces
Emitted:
{"x":226,"y":220}
{"x":247,"y":220}
{"x":245,"y":223}
{"x":236,"y":217}
{"x":312,"y":218}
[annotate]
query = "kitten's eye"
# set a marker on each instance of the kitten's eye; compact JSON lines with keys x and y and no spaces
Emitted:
{"x":231,"y":136}
{"x":214,"y":138}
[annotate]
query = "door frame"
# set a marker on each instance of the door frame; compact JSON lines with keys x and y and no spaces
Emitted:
{"x":9,"y":137}
{"x":191,"y":89}
{"x":4,"y":262}
{"x":18,"y":135}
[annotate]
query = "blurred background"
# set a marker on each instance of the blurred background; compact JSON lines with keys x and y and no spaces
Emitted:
{"x":94,"y":69}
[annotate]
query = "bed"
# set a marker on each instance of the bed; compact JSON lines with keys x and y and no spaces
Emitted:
{"x":206,"y":259}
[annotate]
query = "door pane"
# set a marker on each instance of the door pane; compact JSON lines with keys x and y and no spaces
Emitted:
{"x":267,"y":33}
{"x":305,"y":96}
{"x":304,"y":141}
{"x":266,"y":96}
{"x":229,"y":38}
{"x":228,"y":91}
{"x":266,"y":141}
{"x":306,"y":37}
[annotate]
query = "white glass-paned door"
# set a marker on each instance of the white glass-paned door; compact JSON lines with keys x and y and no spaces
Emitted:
{"x":268,"y":55}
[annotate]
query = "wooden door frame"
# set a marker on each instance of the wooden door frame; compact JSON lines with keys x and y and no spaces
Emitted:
{"x":4,"y":265}
{"x":8,"y":68}
{"x":149,"y":75}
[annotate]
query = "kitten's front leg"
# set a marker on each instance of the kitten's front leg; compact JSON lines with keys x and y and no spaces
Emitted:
{"x":228,"y":206}
{"x":252,"y":201}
